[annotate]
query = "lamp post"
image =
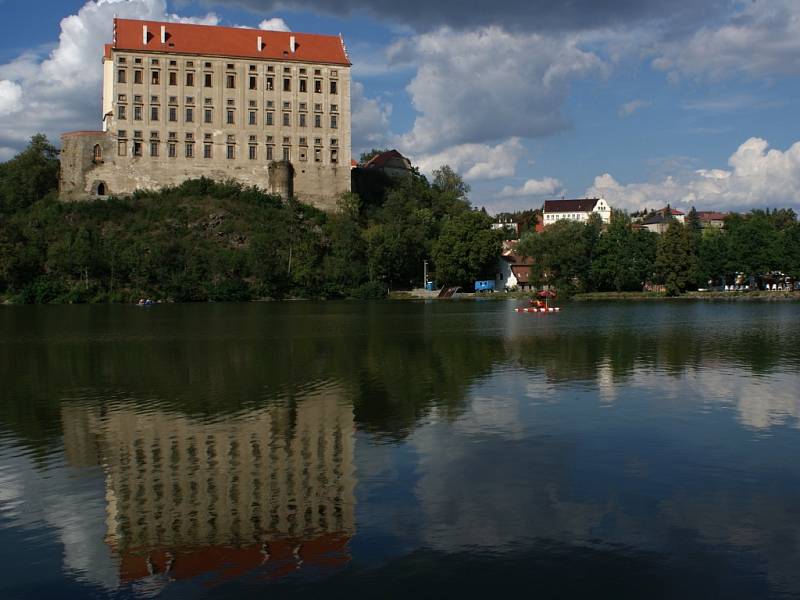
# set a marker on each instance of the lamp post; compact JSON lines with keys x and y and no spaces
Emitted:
{"x":425,"y":274}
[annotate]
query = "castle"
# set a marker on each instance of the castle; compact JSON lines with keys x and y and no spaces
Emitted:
{"x":181,"y":101}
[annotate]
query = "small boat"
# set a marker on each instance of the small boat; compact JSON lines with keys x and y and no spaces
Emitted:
{"x":537,"y":306}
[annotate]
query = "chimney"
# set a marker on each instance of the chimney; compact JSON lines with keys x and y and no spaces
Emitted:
{"x":260,"y":43}
{"x":163,"y":34}
{"x":144,"y":34}
{"x":292,"y":43}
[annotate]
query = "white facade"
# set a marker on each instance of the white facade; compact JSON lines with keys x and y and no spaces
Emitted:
{"x":576,"y":210}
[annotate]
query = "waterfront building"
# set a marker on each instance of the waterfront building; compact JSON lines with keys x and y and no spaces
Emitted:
{"x":575,"y":210}
{"x":181,"y":101}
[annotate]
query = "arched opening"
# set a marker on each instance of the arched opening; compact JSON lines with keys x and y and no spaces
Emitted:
{"x":98,"y":153}
{"x":101,"y":189}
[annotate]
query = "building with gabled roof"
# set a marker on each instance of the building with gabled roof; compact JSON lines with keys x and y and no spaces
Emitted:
{"x":181,"y":101}
{"x":575,"y":210}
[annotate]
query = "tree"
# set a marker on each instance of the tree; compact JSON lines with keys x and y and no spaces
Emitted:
{"x":29,"y":176}
{"x":448,"y":182}
{"x":467,"y":249}
{"x":675,"y":260}
{"x":624,"y":258}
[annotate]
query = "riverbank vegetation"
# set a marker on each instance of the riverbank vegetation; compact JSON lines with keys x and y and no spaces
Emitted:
{"x":211,"y":241}
{"x":581,"y":258}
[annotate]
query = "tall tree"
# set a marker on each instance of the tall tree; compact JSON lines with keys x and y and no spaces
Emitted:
{"x":29,"y":176}
{"x":467,"y":249}
{"x":675,"y":261}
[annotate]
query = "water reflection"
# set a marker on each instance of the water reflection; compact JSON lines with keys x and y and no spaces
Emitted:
{"x":270,"y":490}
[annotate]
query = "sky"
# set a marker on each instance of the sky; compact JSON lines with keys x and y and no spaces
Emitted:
{"x":643,"y":102}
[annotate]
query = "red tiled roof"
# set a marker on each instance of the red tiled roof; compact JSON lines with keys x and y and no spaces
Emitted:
{"x":378,"y":161}
{"x":672,"y":211}
{"x":208,"y":40}
{"x":580,"y":205}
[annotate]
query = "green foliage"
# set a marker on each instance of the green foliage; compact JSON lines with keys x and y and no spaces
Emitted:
{"x":676,"y":259}
{"x":447,"y":181}
{"x":625,"y":257}
{"x":467,"y":249}
{"x":29,"y":176}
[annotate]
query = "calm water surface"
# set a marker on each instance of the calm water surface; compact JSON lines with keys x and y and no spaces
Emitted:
{"x":389,"y":449}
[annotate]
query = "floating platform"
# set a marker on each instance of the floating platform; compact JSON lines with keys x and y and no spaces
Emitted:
{"x":537,"y":310}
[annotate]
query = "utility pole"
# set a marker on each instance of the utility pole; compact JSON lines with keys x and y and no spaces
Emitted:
{"x":425,"y":274}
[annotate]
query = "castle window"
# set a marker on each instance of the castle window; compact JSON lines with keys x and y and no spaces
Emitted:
{"x":252,"y":117}
{"x":287,"y":84}
{"x":318,"y":141}
{"x":122,"y":60}
{"x":153,"y":99}
{"x":137,"y":113}
{"x":173,"y":114}
{"x":318,"y":72}
{"x":334,"y":87}
{"x":303,"y":155}
{"x":253,"y":103}
{"x":286,"y":140}
{"x":207,"y":65}
{"x":231,"y":117}
{"x":229,"y":66}
{"x":121,"y":75}
{"x":334,"y":142}
{"x":269,"y":84}
{"x":207,"y":136}
{"x":334,"y":156}
{"x":173,"y":78}
{"x":189,"y":99}
{"x":270,"y":104}
{"x":154,"y":113}
{"x":287,"y":70}
{"x":209,"y":101}
{"x":155,"y":77}
{"x":190,"y":79}
{"x":270,"y":152}
{"x":302,"y":117}
{"x":287,"y":106}
{"x":173,"y":63}
{"x":189,"y":63}
{"x":207,"y":82}
{"x":173,"y":99}
{"x":122,"y":148}
{"x":121,"y":112}
{"x":286,"y":119}
{"x":317,"y":120}
{"x":154,"y":61}
{"x":270,"y":69}
{"x":137,"y":76}
{"x":334,"y":73}
{"x":230,"y":152}
{"x":137,"y":148}
{"x":137,"y":60}
{"x":98,"y":153}
{"x":269,"y":139}
{"x":318,"y":86}
{"x":318,"y":108}
{"x":121,"y":97}
{"x":153,"y":148}
{"x":230,"y":81}
{"x":189,"y":115}
{"x":189,"y":149}
{"x":303,"y":85}
{"x":334,"y":122}
{"x":172,"y":150}
{"x":251,"y":67}
{"x":252,"y":152}
{"x":207,"y":150}
{"x":302,"y":71}
{"x":287,"y":153}
{"x":303,"y":141}
{"x":303,"y":106}
{"x":231,"y":101}
{"x":317,"y":155}
{"x":208,"y":115}
{"x":270,"y":118}
{"x":334,"y":108}
{"x":253,"y":82}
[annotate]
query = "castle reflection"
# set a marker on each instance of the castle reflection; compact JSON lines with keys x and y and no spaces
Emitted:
{"x":269,"y":491}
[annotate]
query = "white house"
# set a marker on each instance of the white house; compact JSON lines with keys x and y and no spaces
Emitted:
{"x":575,"y":210}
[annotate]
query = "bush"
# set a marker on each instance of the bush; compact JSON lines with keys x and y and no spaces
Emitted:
{"x":372,"y":290}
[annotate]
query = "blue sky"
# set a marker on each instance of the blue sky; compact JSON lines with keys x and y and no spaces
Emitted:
{"x":692,"y":102}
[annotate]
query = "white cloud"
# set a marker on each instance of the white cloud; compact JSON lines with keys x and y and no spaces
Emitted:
{"x":370,"y":119}
{"x":488,"y":84}
{"x":762,"y":38}
{"x":274,"y":24}
{"x":475,"y":161}
{"x":10,"y":97}
{"x":631,"y":107}
{"x":758,"y":177}
{"x":533,"y":188}
{"x":61,"y":86}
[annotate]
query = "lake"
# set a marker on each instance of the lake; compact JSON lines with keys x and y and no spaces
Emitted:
{"x":388,"y":449}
